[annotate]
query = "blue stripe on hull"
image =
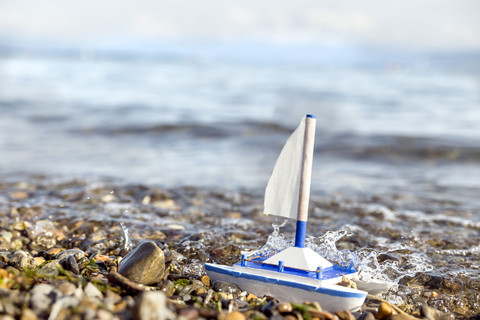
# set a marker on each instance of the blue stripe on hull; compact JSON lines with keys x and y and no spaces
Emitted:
{"x":286,"y":283}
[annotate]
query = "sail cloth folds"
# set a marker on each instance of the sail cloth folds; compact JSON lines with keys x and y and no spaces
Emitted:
{"x":282,"y":192}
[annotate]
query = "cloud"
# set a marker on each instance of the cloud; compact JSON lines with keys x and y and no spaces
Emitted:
{"x":425,"y":24}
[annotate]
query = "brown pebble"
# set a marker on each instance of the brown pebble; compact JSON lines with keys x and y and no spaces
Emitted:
{"x":101,"y":257}
{"x":67,"y":288}
{"x":290,"y":317}
{"x":18,"y":195}
{"x":345,"y":315}
{"x":322,"y":315}
{"x":40,"y":260}
{"x":384,"y":310}
{"x":235,"y":315}
{"x":234,"y":215}
{"x":54,"y":251}
{"x":201,"y":291}
{"x":206,"y":281}
{"x":285,"y":307}
{"x":28,"y":314}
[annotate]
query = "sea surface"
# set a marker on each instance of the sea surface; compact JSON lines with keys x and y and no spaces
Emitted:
{"x":397,"y":147}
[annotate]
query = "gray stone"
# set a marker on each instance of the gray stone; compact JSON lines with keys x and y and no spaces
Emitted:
{"x":69,"y":263}
{"x":49,"y":269}
{"x":144,"y":265}
{"x":152,"y":305}
{"x":77,"y":253}
{"x":22,"y":260}
{"x":221,"y":286}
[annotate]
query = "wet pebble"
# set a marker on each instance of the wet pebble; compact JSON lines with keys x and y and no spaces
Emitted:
{"x":221,"y":286}
{"x":384,"y":311}
{"x":22,"y":260}
{"x":285,"y":307}
{"x":76,"y":253}
{"x":69,"y":263}
{"x":50,"y":269}
{"x":144,"y":265}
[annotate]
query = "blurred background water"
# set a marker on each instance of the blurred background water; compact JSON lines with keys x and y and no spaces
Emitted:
{"x":174,"y":100}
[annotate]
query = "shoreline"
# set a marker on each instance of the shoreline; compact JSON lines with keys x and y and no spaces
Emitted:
{"x":43,"y":218}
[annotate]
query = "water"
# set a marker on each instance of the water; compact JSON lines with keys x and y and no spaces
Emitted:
{"x":395,"y":179}
{"x":178,"y":121}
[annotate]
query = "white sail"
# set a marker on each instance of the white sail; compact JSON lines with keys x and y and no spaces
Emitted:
{"x":282,"y":192}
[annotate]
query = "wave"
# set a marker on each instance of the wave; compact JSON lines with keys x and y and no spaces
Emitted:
{"x":397,"y":148}
{"x":390,"y":148}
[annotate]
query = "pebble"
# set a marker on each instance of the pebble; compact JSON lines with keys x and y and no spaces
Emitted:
{"x":322,"y":315}
{"x":54,"y":252}
{"x":235,"y":315}
{"x":18,"y":195}
{"x":384,"y":310}
{"x":42,"y":296}
{"x":76,"y":253}
{"x":206,"y":281}
{"x":151,"y":305}
{"x":345,"y":315}
{"x":67,"y":288}
{"x":49,"y":269}
{"x":226,"y":287}
{"x":91,"y":291}
{"x":144,"y":265}
{"x":69,"y":263}
{"x":285,"y":307}
{"x":28,"y":314}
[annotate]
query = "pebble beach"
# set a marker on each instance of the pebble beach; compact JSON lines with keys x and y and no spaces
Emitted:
{"x":78,"y":249}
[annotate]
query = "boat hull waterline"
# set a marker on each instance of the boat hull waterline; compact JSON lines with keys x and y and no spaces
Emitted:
{"x":331,"y":297}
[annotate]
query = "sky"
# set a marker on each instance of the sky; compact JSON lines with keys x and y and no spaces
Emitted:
{"x":434,"y":25}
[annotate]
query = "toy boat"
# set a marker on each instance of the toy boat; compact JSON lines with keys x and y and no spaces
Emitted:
{"x":297,"y":273}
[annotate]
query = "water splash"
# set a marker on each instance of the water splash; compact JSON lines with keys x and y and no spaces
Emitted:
{"x":276,"y":242}
{"x":127,"y":243}
{"x":370,"y":267}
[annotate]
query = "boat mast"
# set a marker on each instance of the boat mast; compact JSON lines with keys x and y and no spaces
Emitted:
{"x":305,"y":180}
